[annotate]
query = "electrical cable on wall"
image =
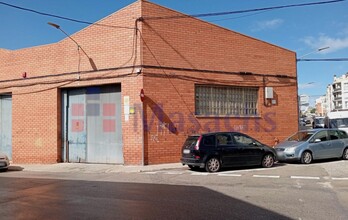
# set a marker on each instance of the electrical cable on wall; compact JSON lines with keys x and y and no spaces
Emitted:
{"x":104,"y":76}
{"x":64,"y":83}
{"x":177,"y":91}
{"x":134,"y":52}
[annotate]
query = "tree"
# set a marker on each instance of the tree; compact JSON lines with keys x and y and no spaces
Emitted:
{"x":313,"y":110}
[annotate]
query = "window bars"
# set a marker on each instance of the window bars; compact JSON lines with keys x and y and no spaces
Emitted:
{"x":226,"y":100}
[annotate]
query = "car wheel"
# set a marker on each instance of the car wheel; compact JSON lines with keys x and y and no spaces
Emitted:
{"x":306,"y":157}
{"x":268,"y":161}
{"x":345,"y":154}
{"x":213,"y":165}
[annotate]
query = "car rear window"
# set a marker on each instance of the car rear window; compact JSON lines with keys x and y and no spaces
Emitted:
{"x":209,"y":140}
{"x":191,"y":141}
{"x":319,"y":120}
{"x":343,"y":134}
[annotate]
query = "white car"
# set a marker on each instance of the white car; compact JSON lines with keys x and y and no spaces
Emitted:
{"x":4,"y":162}
{"x":318,"y":122}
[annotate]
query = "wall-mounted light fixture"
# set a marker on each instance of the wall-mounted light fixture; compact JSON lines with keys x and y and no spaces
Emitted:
{"x":78,"y":46}
{"x":142,"y":95}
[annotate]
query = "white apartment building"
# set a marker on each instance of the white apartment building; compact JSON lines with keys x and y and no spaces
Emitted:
{"x":303,"y":103}
{"x":329,"y":99}
{"x":337,"y":94}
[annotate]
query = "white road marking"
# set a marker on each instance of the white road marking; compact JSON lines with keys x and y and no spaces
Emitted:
{"x":339,"y":178}
{"x":305,"y":177}
{"x":199,"y":174}
{"x":249,"y":170}
{"x":266,"y":176}
{"x":235,"y":174}
{"x":226,"y":174}
{"x":149,"y":173}
{"x":173,"y":173}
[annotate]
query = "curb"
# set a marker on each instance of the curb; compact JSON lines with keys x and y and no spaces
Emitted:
{"x":91,"y":168}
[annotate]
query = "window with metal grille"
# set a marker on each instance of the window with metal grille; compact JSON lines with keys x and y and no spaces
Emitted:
{"x":226,"y":100}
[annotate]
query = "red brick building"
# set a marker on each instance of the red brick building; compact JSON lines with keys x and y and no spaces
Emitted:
{"x":63,"y":102}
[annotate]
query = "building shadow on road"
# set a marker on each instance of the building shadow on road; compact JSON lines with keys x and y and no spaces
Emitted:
{"x":67,"y":199}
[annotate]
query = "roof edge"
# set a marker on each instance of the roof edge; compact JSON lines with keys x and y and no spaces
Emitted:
{"x":244,"y":35}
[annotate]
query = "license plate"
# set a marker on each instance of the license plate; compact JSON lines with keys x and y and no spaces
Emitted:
{"x":186,"y":151}
{"x":2,"y":164}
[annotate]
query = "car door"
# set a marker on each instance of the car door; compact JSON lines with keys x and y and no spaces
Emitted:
{"x":344,"y":138}
{"x":208,"y":147}
{"x":337,"y":142}
{"x":250,"y":150}
{"x":320,"y":145}
{"x":230,"y":154}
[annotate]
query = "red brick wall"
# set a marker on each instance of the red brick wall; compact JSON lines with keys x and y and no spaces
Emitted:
{"x":36,"y":130}
{"x":194,"y":44}
{"x":184,"y":43}
{"x":34,"y":121}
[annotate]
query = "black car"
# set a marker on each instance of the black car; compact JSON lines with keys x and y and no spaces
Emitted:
{"x":225,"y":149}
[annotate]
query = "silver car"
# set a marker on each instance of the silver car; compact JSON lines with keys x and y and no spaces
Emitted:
{"x":4,"y":162}
{"x":308,"y":145}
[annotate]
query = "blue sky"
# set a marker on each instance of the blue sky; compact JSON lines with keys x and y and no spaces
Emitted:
{"x":300,"y":29}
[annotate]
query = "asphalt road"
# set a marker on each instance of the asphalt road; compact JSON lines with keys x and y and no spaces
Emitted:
{"x":287,"y":191}
{"x":65,"y":199}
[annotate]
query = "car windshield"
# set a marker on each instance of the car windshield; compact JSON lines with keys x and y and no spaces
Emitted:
{"x":301,"y":136}
{"x":319,"y":120}
{"x":339,"y":123}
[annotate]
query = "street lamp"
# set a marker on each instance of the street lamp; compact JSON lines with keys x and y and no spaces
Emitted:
{"x":78,"y":46}
{"x":304,"y":85}
{"x":315,"y":51}
{"x":298,"y":59}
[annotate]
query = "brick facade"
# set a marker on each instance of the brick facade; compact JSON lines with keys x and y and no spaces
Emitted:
{"x":173,"y":55}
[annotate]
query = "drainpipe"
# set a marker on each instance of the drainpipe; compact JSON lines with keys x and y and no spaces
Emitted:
{"x":139,"y":20}
{"x":143,"y":135}
{"x":66,"y":128}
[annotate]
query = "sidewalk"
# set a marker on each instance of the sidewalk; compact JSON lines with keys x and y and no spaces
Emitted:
{"x":92,"y":168}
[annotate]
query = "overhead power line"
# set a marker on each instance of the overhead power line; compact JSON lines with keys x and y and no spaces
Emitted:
{"x":173,"y":17}
{"x":331,"y":59}
{"x":61,"y":17}
{"x":244,"y":11}
{"x":238,"y":17}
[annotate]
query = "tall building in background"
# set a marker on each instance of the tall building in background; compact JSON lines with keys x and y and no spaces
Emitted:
{"x":337,"y":94}
{"x":329,"y":99}
{"x":304,"y":103}
{"x":320,"y":106}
